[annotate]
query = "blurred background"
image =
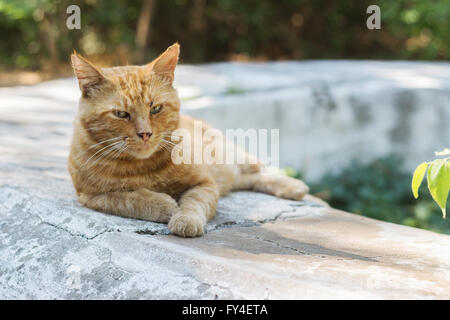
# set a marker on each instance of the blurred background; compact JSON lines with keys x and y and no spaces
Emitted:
{"x":35,"y":45}
{"x":34,"y":36}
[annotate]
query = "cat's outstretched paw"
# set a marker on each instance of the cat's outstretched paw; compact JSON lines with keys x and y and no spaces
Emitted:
{"x":293,"y":189}
{"x":286,"y":187}
{"x":186,"y":225}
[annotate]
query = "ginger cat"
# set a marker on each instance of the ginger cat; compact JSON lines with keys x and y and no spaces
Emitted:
{"x":120,"y":157}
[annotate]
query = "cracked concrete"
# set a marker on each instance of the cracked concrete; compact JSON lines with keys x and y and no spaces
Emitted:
{"x":258,"y":246}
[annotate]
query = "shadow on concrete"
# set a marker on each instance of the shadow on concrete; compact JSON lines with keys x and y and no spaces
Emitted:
{"x":257,"y":240}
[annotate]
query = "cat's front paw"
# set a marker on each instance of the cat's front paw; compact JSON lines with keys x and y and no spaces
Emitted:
{"x":159,"y":207}
{"x":187,"y":225}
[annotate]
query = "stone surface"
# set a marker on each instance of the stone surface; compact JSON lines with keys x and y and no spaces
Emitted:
{"x":257,"y":247}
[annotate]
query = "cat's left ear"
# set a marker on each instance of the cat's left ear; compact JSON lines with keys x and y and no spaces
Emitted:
{"x":165,"y":64}
{"x":90,"y":78}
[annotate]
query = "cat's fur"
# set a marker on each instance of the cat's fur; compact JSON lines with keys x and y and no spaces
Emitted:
{"x":118,"y":172}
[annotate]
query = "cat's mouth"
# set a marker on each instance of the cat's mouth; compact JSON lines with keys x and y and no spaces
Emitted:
{"x":144,"y":150}
{"x":143,"y":147}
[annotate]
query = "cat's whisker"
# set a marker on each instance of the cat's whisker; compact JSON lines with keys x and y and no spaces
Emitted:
{"x":164,"y":147}
{"x":114,"y":155}
{"x":101,"y":142}
{"x":166,"y":138}
{"x":169,"y":142}
{"x":111,"y":157}
{"x":97,"y":127}
{"x":170,"y":134}
{"x":108,"y":146}
{"x":167,"y":133}
{"x":115,"y":152}
{"x":165,"y":143}
{"x":121,"y":151}
{"x":168,"y":147}
{"x":106,"y":154}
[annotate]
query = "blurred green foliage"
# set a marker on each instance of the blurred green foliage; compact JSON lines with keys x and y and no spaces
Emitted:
{"x":381,"y":190}
{"x":33,"y":32}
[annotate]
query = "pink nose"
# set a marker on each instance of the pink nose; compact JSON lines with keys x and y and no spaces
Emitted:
{"x":145,"y":135}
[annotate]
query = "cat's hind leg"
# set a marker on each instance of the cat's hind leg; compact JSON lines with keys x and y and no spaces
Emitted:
{"x":279,"y":186}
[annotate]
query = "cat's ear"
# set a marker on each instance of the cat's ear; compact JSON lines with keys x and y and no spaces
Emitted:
{"x":165,"y":64}
{"x":90,"y":78}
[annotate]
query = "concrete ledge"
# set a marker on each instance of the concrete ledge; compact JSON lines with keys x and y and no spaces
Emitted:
{"x":259,"y":247}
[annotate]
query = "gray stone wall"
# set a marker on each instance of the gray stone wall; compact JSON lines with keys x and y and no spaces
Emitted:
{"x":328,"y":112}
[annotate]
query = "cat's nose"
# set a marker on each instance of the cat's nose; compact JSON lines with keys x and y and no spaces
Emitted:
{"x":145,"y":135}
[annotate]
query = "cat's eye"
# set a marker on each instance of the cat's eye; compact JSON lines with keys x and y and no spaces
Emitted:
{"x":121,"y":114}
{"x":155,"y":109}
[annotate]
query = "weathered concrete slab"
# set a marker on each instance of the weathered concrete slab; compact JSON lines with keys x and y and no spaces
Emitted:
{"x":52,"y":248}
{"x":257,"y":247}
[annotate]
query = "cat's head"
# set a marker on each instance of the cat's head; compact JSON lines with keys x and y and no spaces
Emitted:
{"x":132,"y":106}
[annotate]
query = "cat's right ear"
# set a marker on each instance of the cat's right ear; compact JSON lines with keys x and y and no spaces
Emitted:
{"x":165,"y":64}
{"x":89,"y":77}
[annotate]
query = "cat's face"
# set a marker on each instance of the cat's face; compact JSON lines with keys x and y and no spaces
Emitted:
{"x":132,"y":109}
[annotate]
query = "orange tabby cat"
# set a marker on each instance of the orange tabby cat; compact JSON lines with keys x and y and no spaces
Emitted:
{"x":120,"y":157}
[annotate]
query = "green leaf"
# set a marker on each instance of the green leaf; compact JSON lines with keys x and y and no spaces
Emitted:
{"x":418,"y":175}
{"x":439,"y":182}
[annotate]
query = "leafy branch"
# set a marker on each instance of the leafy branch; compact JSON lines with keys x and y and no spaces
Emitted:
{"x":438,"y":178}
